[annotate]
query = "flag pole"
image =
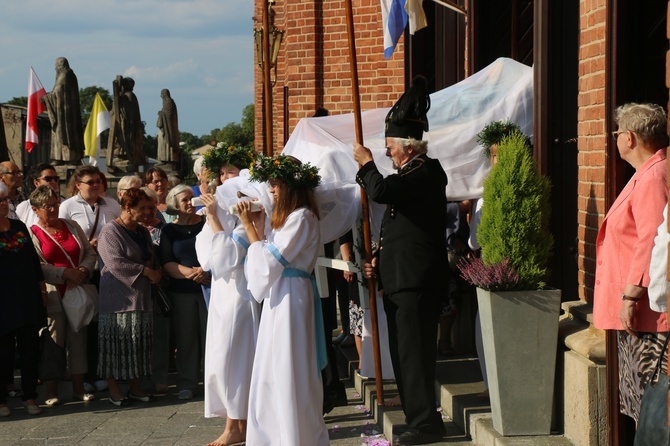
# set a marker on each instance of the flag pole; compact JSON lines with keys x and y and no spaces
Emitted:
{"x":358,"y":124}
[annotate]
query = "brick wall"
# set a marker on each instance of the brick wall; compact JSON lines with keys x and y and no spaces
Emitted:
{"x":592,"y":140}
{"x":314,"y":63}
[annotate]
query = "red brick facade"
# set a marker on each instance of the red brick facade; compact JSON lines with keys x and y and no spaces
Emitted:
{"x":592,"y":140}
{"x":313,"y":63}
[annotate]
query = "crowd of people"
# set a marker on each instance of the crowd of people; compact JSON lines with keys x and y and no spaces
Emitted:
{"x":242,"y":311}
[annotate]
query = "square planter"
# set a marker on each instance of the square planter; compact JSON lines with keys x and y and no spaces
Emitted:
{"x":520,"y":335}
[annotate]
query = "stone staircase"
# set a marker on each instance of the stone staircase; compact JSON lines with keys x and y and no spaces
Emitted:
{"x":467,"y":418}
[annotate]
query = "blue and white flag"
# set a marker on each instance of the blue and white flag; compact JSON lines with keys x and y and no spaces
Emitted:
{"x":395,"y":16}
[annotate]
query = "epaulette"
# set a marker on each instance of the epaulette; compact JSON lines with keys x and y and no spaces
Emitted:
{"x":412,"y":166}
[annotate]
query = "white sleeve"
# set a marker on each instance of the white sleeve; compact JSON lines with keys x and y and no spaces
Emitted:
{"x":474,"y":223}
{"x":222,"y":252}
{"x":266,"y":260}
{"x":658,"y":269}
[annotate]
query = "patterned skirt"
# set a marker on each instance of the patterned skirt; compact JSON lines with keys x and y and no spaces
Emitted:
{"x":637,"y":359}
{"x":124,"y":341}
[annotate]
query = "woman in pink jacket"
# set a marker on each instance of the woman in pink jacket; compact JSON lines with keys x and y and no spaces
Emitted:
{"x":623,"y":252}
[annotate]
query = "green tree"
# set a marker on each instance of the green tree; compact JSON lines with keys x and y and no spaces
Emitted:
{"x":21,"y":100}
{"x":86,"y":98}
{"x":238,"y":134}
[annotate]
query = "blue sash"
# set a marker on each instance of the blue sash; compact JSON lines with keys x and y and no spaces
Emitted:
{"x":320,"y":336}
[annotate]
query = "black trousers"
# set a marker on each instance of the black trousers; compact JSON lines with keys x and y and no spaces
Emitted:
{"x":412,"y":322}
{"x":28,"y":347}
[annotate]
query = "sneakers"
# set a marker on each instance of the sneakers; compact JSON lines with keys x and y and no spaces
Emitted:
{"x":185,"y":395}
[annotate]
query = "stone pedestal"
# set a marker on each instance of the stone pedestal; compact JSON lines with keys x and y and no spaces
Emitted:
{"x":583,"y":376}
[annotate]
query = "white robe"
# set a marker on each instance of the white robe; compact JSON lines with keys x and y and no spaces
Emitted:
{"x":232,"y":323}
{"x":286,"y":398}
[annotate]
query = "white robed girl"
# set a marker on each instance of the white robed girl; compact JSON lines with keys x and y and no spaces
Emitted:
{"x":233,"y":318}
{"x":285,"y":402}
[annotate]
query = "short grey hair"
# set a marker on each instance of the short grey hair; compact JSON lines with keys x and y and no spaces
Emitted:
{"x":198,"y":165}
{"x":129,"y":182}
{"x":648,"y":121}
{"x":172,"y":201}
{"x":150,"y":193}
{"x":420,"y":147}
{"x":41,"y":195}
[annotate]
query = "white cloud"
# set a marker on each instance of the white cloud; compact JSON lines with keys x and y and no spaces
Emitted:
{"x":201,"y":50}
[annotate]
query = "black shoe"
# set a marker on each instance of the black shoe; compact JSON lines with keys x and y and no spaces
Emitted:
{"x":414,"y":436}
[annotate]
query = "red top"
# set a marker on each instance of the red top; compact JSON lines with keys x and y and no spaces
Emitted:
{"x":55,"y":255}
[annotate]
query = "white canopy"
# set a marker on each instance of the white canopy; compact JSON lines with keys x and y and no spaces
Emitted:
{"x":502,"y":90}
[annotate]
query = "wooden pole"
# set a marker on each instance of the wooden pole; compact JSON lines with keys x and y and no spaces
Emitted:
{"x":367,"y":238}
{"x":267,"y":85}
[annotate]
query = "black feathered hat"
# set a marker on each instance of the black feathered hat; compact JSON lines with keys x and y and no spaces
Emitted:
{"x":407,"y":118}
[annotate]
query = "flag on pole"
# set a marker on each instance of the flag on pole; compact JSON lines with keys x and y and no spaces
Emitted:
{"x":98,"y":122}
{"x":35,"y":107}
{"x":396,"y":14}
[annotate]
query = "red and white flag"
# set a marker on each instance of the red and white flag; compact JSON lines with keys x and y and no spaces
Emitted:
{"x":35,"y":107}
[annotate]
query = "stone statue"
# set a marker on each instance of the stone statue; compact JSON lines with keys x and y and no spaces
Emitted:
{"x":127,"y":133}
{"x":62,"y":103}
{"x":168,"y":131}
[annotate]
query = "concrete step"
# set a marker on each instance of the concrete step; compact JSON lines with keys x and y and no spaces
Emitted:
{"x":467,"y":418}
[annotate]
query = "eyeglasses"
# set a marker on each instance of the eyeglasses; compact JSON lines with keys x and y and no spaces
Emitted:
{"x":159,"y":181}
{"x":92,"y":182}
{"x":15,"y":173}
{"x":50,"y":207}
{"x":50,"y":179}
{"x":4,"y":200}
{"x":617,"y":133}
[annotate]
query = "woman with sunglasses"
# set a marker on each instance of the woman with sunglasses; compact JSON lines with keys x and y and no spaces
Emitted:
{"x":67,"y":260}
{"x":41,"y":174}
{"x":86,"y":206}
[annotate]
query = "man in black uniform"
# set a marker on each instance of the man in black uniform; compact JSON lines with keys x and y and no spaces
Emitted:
{"x":412,"y":257}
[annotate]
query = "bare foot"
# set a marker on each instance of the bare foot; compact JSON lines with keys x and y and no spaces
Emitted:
{"x":393,"y":402}
{"x":227,"y":439}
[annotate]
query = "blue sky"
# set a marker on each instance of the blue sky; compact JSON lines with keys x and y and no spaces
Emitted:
{"x":201,"y":50}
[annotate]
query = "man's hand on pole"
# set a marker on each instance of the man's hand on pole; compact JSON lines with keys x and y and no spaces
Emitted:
{"x":362,"y":155}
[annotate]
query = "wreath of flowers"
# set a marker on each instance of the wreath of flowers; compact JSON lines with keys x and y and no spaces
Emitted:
{"x":238,"y":156}
{"x":283,"y":168}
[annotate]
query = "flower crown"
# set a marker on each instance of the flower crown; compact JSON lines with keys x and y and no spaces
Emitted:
{"x":239,"y":156}
{"x":285,"y":169}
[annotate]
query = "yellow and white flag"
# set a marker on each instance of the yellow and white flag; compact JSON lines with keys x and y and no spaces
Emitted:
{"x":97,"y":123}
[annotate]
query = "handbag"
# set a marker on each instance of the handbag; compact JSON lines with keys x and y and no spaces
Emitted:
{"x":161,"y":301}
{"x":51,"y":364}
{"x":652,"y":427}
{"x":80,"y":305}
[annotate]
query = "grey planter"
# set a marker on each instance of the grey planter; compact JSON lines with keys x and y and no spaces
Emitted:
{"x":520,"y":332}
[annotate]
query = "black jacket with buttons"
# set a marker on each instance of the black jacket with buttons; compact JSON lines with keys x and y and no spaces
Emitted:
{"x":412,"y":246}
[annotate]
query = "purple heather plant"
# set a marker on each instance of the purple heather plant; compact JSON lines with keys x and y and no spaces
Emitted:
{"x":499,"y":276}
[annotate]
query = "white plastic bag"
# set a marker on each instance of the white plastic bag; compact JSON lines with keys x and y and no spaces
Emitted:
{"x":80,"y":304}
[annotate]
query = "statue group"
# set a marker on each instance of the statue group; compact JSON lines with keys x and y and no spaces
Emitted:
{"x":126,"y":137}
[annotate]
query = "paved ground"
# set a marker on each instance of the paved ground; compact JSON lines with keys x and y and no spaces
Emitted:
{"x":167,"y":421}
